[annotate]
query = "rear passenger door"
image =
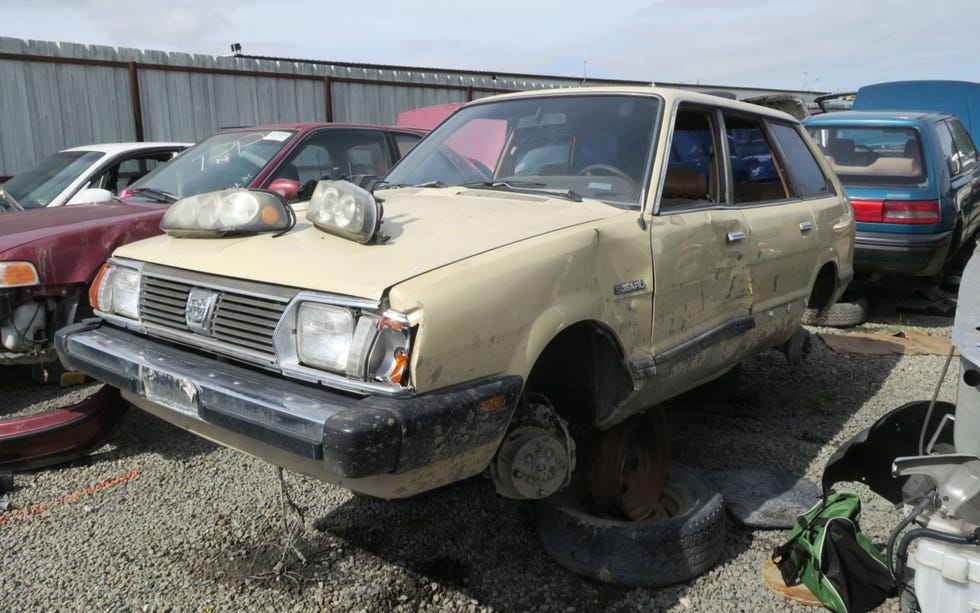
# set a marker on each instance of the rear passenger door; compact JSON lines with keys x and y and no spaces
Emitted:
{"x":783,"y":231}
{"x":964,"y":177}
{"x":700,"y":248}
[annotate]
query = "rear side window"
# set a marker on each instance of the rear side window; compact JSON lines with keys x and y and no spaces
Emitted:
{"x":756,"y":176}
{"x":966,"y":153}
{"x":405,"y":142}
{"x":803,"y":167}
{"x":868,"y":155}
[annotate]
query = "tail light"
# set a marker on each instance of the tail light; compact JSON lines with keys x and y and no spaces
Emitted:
{"x":896,"y":211}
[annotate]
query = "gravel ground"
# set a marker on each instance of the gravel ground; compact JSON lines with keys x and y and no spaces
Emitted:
{"x":160,"y":520}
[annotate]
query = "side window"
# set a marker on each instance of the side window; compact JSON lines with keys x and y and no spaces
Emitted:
{"x":405,"y":142}
{"x":334,"y":153}
{"x":692,"y":166}
{"x":948,"y":147}
{"x":964,"y":144}
{"x":803,"y":167}
{"x":118,"y":176}
{"x":756,"y":174}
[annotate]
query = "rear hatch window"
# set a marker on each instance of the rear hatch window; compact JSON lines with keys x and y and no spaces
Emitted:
{"x":870,"y":155}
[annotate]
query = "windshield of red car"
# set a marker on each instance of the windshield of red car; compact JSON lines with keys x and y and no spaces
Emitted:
{"x":595,"y":145}
{"x":223,"y":161}
{"x":37,"y":186}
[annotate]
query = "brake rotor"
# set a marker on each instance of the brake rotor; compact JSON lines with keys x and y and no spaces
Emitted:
{"x":628,"y":469}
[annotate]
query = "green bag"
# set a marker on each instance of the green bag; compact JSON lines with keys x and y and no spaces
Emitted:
{"x":827,"y":552}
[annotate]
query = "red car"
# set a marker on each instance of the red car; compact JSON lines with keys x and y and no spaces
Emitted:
{"x":49,"y":256}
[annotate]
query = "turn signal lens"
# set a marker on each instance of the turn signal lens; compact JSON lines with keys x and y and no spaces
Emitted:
{"x":93,"y":290}
{"x":18,"y":274}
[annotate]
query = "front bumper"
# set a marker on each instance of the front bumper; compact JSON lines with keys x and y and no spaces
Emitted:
{"x":387,"y":447}
{"x":918,"y":255}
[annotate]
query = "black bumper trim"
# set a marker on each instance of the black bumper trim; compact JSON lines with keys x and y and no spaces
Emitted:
{"x":907,"y":254}
{"x":354,"y":437}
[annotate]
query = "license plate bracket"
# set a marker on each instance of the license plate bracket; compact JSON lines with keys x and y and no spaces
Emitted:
{"x":172,"y":391}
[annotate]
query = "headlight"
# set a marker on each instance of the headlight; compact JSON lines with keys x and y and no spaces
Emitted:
{"x":356,"y":342}
{"x":116,"y":291}
{"x":230,"y":211}
{"x":344,"y":209}
{"x":324,"y":335}
{"x":18,"y":274}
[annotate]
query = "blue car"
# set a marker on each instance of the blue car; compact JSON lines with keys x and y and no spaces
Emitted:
{"x":913,"y":179}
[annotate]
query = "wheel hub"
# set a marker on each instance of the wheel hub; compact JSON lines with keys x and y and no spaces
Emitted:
{"x":628,"y":469}
{"x":536,"y":458}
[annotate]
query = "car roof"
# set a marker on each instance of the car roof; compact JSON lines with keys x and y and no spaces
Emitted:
{"x":860,"y":116}
{"x":667,"y":93}
{"x":126,"y":147}
{"x":305,"y":126}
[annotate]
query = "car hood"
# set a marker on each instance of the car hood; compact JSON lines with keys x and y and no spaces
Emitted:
{"x":33,"y":225}
{"x":429,"y":228}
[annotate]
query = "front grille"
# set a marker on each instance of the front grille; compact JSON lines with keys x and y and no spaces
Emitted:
{"x":241,"y":320}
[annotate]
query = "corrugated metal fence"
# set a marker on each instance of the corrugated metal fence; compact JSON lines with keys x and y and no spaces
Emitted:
{"x":58,"y":95}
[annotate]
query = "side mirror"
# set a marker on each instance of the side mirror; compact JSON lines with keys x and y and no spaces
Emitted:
{"x":286,"y":187}
{"x":91,"y":195}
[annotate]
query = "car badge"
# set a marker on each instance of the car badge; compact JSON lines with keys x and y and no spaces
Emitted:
{"x":630,"y":287}
{"x":198,"y":310}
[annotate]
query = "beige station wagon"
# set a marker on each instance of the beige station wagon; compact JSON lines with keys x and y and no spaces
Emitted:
{"x":526,"y":285}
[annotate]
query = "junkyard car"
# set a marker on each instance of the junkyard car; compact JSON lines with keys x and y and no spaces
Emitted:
{"x":84,"y":174}
{"x":50,"y":256}
{"x":912,"y":177}
{"x":539,"y":270}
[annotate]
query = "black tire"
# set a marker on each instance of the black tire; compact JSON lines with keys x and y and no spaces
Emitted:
{"x":838,"y":315}
{"x":645,"y":553}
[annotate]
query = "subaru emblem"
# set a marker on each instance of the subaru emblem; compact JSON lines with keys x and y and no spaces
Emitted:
{"x":198,"y":310}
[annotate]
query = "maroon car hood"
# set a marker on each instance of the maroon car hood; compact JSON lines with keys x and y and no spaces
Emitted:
{"x":68,"y":244}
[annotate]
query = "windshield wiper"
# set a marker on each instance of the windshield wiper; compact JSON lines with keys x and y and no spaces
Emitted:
{"x":526,"y":187}
{"x":386,"y":185}
{"x":157,"y":195}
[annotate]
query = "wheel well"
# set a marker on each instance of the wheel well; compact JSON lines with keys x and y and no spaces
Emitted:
{"x":823,"y":287}
{"x":582,"y":374}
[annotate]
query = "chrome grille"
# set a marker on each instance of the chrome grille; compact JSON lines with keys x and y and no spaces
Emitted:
{"x":241,"y":320}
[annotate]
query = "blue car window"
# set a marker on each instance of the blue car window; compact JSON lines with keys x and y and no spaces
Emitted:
{"x":875,"y":155}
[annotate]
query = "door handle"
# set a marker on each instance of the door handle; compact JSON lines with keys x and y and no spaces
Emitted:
{"x":805,"y":226}
{"x":734,"y":237}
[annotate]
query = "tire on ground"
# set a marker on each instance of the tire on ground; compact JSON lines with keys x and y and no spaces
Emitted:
{"x":645,"y":553}
{"x":838,"y":315}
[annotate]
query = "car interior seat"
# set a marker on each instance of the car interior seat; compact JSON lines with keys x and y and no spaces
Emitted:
{"x":842,"y":150}
{"x":686,"y":183}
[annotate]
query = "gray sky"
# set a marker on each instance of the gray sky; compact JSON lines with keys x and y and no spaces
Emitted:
{"x":826,"y":45}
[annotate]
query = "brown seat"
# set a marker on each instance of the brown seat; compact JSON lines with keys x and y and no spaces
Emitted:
{"x":685,"y":183}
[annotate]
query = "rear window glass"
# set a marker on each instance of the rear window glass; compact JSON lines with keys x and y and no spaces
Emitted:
{"x":865,"y":155}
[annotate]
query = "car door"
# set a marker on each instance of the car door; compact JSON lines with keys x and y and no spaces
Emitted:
{"x":783,"y":239}
{"x":965,"y":177}
{"x":700,"y":248}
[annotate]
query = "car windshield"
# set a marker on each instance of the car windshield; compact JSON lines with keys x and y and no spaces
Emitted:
{"x":594,"y":146}
{"x":226,"y":160}
{"x":871,"y":155}
{"x":37,"y":186}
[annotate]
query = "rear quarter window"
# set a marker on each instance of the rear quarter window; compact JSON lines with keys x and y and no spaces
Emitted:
{"x":804,"y":170}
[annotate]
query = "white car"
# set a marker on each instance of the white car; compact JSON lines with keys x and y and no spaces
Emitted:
{"x":93,"y":173}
